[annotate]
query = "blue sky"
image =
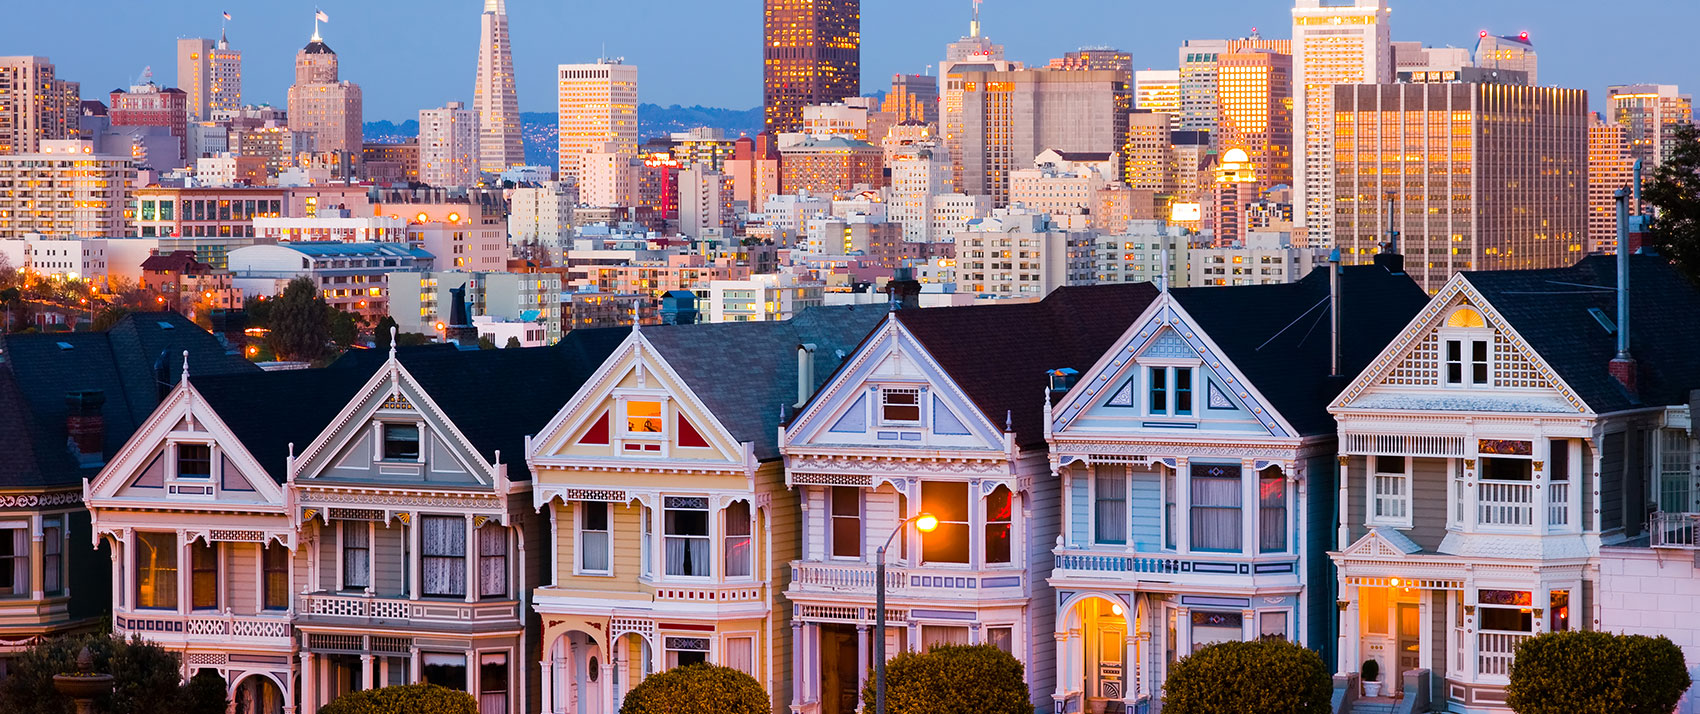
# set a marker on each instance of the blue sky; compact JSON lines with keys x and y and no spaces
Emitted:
{"x":414,"y":54}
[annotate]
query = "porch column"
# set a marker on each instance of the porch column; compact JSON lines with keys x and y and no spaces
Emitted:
{"x":309,"y":702}
{"x":1543,"y":489}
{"x":1130,"y":667}
{"x":607,"y":678}
{"x":1067,"y":515}
{"x":1353,"y":641}
{"x":1472,"y":507}
{"x":546,"y":685}
{"x":1183,"y":507}
{"x":864,"y":660}
{"x":415,"y":666}
{"x":797,"y":675}
{"x":1343,"y":535}
{"x":1183,"y":632}
{"x":413,"y":561}
{"x":1065,"y":656}
{"x":1425,"y":638}
{"x":471,"y":561}
{"x":185,"y":573}
{"x":1472,"y":638}
{"x":130,"y":568}
{"x":366,"y":673}
{"x":1147,"y":688}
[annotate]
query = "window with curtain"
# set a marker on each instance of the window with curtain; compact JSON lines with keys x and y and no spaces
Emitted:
{"x":356,"y":555}
{"x":203,"y":576}
{"x":846,"y":531}
{"x":685,"y":536}
{"x":593,"y":538}
{"x":1109,"y":511}
{"x":685,"y":651}
{"x":1169,"y":523}
{"x":948,"y":501}
{"x":493,"y":683}
{"x":14,"y":561}
{"x":493,"y":561}
{"x":1002,"y":638}
{"x":741,"y":654}
{"x":156,"y":570}
{"x":401,"y":442}
{"x":442,"y":549}
{"x":1271,"y":511}
{"x":999,"y":519}
{"x":1216,"y":500}
{"x":1392,"y":487}
{"x":274,"y":559}
{"x":739,"y":548}
{"x":52,"y":556}
{"x":647,"y":553}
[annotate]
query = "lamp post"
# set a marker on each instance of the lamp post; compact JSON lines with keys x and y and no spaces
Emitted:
{"x":924,"y":522}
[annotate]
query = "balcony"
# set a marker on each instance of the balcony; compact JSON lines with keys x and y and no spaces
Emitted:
{"x":393,"y":612}
{"x":206,"y":628}
{"x":1496,"y":650}
{"x":1508,"y":505}
{"x":923,"y":582}
{"x":1087,"y":564}
{"x":1675,"y":530}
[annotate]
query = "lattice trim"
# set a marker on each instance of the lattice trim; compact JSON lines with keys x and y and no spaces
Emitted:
{"x":356,"y":514}
{"x":1420,"y":368}
{"x":831,"y":480}
{"x":237,"y":536}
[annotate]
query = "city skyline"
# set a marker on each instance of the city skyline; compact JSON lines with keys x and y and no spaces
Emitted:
{"x":402,"y":75}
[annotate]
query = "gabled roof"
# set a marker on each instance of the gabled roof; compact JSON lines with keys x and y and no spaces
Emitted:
{"x":746,"y":372}
{"x":1278,"y":335}
{"x":272,"y":410}
{"x":177,"y":261}
{"x":999,"y":353}
{"x":1550,"y":309}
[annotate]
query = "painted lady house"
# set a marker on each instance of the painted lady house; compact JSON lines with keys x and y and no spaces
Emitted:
{"x":674,"y":530}
{"x":939,"y":411}
{"x":1196,"y":461}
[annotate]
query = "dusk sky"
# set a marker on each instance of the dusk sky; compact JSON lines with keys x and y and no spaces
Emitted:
{"x":414,"y":54}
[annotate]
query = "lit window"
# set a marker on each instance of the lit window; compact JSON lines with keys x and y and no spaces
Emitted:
{"x":643,"y":418}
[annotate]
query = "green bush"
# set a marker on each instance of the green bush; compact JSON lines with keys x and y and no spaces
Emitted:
{"x":698,"y":688}
{"x":1596,"y":672}
{"x":953,"y":678}
{"x":404,"y":699}
{"x":147,"y":678}
{"x":1270,"y":676}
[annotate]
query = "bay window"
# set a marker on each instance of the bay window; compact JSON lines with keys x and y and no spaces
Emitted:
{"x":203,"y":576}
{"x":14,"y":561}
{"x":156,"y":571}
{"x":947,"y":501}
{"x":1170,"y":525}
{"x":442,"y":566}
{"x":493,"y":561}
{"x":685,"y":536}
{"x":52,"y":555}
{"x":999,"y":519}
{"x":356,"y":555}
{"x":1216,"y":506}
{"x":739,"y":547}
{"x":1110,"y":510}
{"x":1271,"y":511}
{"x":846,"y":515}
{"x":593,"y":538}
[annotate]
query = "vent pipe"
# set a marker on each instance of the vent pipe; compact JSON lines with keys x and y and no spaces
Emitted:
{"x":1335,"y":368}
{"x":805,"y":373}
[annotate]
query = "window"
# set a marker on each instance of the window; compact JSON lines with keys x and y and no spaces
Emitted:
{"x":1505,"y":610}
{"x":685,"y":536}
{"x":1498,"y":469}
{"x":1558,"y":609}
{"x":933,"y":635}
{"x":356,"y":555}
{"x":1474,"y":364}
{"x":493,"y":561}
{"x":1002,"y":638}
{"x":643,"y":418}
{"x":1272,"y":624}
{"x":1216,"y":507}
{"x":1170,"y":390}
{"x":739,"y":553}
{"x":948,"y":501}
{"x":401,"y":442}
{"x":52,"y":556}
{"x":156,"y":570}
{"x":741,"y":654}
{"x":1209,"y":628}
{"x":203,"y":576}
{"x":443,"y":549}
{"x":1169,"y":523}
{"x":275,"y":574}
{"x":1183,"y":392}
{"x":194,"y":461}
{"x":846,"y":522}
{"x":493,"y":683}
{"x":1110,"y":508}
{"x":1391,"y":485}
{"x":1159,"y":382}
{"x":15,"y":561}
{"x":444,"y":670}
{"x":900,"y":406}
{"x":999,"y":520}
{"x":1271,"y":511}
{"x":593,"y":534}
{"x":1676,"y":472}
{"x":685,"y":651}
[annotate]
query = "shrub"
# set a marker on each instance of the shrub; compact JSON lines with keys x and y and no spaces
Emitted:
{"x":953,"y":678}
{"x":147,"y":679}
{"x":404,"y":699}
{"x":1596,"y":672}
{"x":698,"y":688}
{"x":1271,"y":676}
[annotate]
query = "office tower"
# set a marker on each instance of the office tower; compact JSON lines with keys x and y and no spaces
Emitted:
{"x":1650,"y":114}
{"x":812,"y":55}
{"x":493,"y":95}
{"x":323,"y":106}
{"x":151,"y":105}
{"x":597,"y":104}
{"x":1148,"y":157}
{"x":1254,"y":91}
{"x":1503,"y":185}
{"x":1199,"y":106}
{"x":1099,"y":58}
{"x":919,"y":172}
{"x":210,"y":73}
{"x":1512,"y":52}
{"x":1334,"y":42}
{"x":35,"y":105}
{"x":65,"y":189}
{"x":449,"y":141}
{"x":1158,"y":90}
{"x":913,"y":97}
{"x":1413,"y":56}
{"x":1007,"y":118}
{"x":1610,"y":167}
{"x":975,"y":52}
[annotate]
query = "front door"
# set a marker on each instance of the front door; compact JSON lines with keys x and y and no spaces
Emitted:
{"x":1106,"y":672}
{"x":1409,"y":643}
{"x":840,"y":670}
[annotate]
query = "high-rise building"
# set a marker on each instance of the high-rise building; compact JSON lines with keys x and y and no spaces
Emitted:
{"x":386,"y":164}
{"x":597,"y":104}
{"x":1414,"y":57}
{"x":1610,"y":167}
{"x":1650,"y":113}
{"x":830,"y":165}
{"x":1334,"y":42}
{"x":35,"y":105}
{"x":1007,"y":118}
{"x":1099,"y":58}
{"x":1512,"y":52}
{"x":65,"y":189}
{"x":919,"y":172}
{"x":1254,"y":91}
{"x":151,"y":105}
{"x":493,"y":95}
{"x":1016,"y":252}
{"x":210,"y":73}
{"x":1502,"y":185}
{"x":913,"y":97}
{"x":449,"y":146}
{"x":812,"y":55}
{"x":324,"y":106}
{"x":1158,"y":90}
{"x":1199,"y":106}
{"x":1148,"y":156}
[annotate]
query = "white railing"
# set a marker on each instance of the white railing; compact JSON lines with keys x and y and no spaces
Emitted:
{"x":848,"y":577}
{"x":1558,"y":503}
{"x":1404,"y":445}
{"x":228,"y":628}
{"x":1507,"y":504}
{"x":1496,"y":650}
{"x":1675,"y":530}
{"x":916,"y":581}
{"x":435,"y":611}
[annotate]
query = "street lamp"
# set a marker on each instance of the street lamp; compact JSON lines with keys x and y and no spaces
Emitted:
{"x":925,"y":523}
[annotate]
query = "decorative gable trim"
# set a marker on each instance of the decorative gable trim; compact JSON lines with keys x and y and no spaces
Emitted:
{"x":182,"y":407}
{"x":1382,"y":543}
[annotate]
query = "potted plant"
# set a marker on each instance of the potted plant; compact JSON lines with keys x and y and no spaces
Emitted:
{"x":1372,"y":678}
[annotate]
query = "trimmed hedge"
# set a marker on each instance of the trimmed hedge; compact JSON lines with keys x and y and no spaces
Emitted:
{"x":950,"y":679}
{"x":698,"y":688}
{"x":1564,"y":672}
{"x":404,"y":699}
{"x":1271,"y":676}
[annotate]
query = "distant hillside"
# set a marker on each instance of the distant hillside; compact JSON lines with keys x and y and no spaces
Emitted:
{"x":653,"y":120}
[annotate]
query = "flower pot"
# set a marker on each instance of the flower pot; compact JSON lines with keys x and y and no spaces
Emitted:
{"x":1372,"y":689}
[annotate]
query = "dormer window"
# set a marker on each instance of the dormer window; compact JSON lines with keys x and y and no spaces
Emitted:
{"x":401,"y":442}
{"x":900,"y":406}
{"x":1466,"y":352}
{"x":194,"y":461}
{"x":1169,"y":390}
{"x":644,"y":418}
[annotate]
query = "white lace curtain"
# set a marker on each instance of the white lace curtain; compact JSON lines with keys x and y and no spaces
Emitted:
{"x":443,"y":547}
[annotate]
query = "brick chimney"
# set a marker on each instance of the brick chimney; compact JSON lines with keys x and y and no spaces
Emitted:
{"x":85,"y":428}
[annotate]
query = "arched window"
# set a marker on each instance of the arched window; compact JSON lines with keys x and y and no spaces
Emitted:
{"x":1465,"y":317}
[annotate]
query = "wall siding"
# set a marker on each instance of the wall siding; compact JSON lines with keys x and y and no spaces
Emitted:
{"x":1612,"y":462}
{"x":242,"y":563}
{"x":1080,"y":508}
{"x":1428,"y":502}
{"x":1043,"y":523}
{"x":1145,"y":497}
{"x":387,"y":558}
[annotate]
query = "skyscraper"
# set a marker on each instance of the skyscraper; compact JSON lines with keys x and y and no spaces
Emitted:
{"x":812,"y":55}
{"x":1254,"y":90}
{"x":322,"y":105}
{"x":913,"y":97}
{"x":974,"y":52}
{"x":1513,"y":52}
{"x":1008,"y":117}
{"x":493,"y":97}
{"x":1334,"y":42}
{"x":449,"y":145}
{"x":1610,"y":167}
{"x":1158,"y":90}
{"x":151,"y":105}
{"x":597,"y":105}
{"x":210,"y":73}
{"x":35,"y":105}
{"x":1199,"y":105}
{"x":1650,"y":114}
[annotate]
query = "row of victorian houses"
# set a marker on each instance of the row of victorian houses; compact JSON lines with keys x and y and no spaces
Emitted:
{"x":1121,"y":474}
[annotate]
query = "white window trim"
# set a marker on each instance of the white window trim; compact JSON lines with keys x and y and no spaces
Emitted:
{"x":920,"y":392}
{"x":716,"y":569}
{"x":861,"y":527}
{"x":722,"y":648}
{"x":378,"y":442}
{"x":578,"y":539}
{"x":1465,"y":336}
{"x":1171,"y":365}
{"x":212,"y":461}
{"x":725,"y":532}
{"x":342,"y":554}
{"x":1370,"y":472}
{"x":619,"y":435}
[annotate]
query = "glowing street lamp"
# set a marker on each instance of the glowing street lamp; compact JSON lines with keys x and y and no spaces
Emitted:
{"x":925,"y":523}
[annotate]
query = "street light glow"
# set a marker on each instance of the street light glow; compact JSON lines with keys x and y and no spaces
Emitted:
{"x":926,"y":522}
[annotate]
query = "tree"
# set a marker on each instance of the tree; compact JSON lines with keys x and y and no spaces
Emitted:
{"x":300,"y":322}
{"x":953,"y":678}
{"x":259,"y":311}
{"x":512,"y":343}
{"x":1269,"y":676}
{"x":1596,"y":672}
{"x":105,"y":319}
{"x":696,"y":688}
{"x":205,"y":693}
{"x":404,"y":699}
{"x":1674,"y":188}
{"x":381,"y":335}
{"x":485,"y":343}
{"x":147,"y":678}
{"x":343,"y":327}
{"x":412,"y":339}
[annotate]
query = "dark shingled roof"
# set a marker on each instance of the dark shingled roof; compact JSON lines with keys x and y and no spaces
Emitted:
{"x":746,"y":372}
{"x":1278,"y":335}
{"x":1550,"y":309}
{"x":317,"y":48}
{"x":37,"y":370}
{"x":999,"y":354}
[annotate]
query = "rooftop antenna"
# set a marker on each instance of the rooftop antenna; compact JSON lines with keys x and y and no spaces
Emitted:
{"x":974,"y":26}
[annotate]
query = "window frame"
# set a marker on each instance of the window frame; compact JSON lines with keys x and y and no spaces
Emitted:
{"x":833,"y":494}
{"x":727,"y":539}
{"x":885,"y":403}
{"x":988,"y":527}
{"x":267,"y":572}
{"x":177,"y":461}
{"x":1194,"y":508}
{"x":581,"y":527}
{"x":198,"y":549}
{"x":424,"y":556}
{"x":966,"y":527}
{"x":481,"y":537}
{"x":171,"y":546}
{"x":1099,"y":475}
{"x":669,"y":656}
{"x":1467,"y":339}
{"x":1163,"y":379}
{"x":707,"y":509}
{"x":384,"y":441}
{"x":1265,"y":528}
{"x":344,"y":551}
{"x":1372,"y":472}
{"x":53,"y":555}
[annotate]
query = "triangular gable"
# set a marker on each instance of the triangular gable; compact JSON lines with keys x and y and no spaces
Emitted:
{"x":141,"y":471}
{"x":351,"y":447}
{"x":1413,"y":360}
{"x":1382,"y":543}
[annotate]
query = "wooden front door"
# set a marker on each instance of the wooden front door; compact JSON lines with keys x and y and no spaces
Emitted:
{"x":1409,"y":643}
{"x":1104,"y":665}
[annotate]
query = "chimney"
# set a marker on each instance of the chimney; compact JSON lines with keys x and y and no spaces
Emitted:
{"x":1336,"y":368}
{"x":85,"y":428}
{"x":460,"y":330}
{"x":805,"y":373}
{"x":904,"y":290}
{"x":1622,"y":367}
